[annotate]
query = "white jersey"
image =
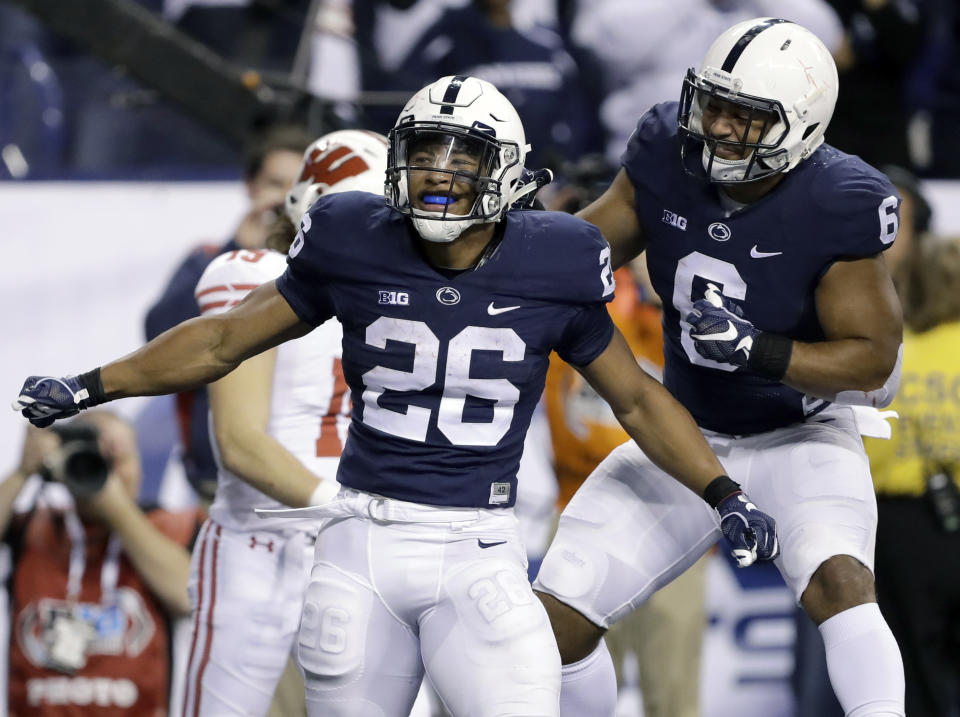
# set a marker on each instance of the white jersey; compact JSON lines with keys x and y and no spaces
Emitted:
{"x":310,"y":401}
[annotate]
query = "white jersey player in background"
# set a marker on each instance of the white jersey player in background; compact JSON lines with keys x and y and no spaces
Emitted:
{"x":278,"y":425}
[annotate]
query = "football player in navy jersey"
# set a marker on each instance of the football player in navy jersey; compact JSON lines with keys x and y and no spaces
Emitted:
{"x":782,"y":333}
{"x":450,"y":306}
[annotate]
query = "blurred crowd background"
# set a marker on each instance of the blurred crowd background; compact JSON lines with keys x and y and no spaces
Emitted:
{"x":136,"y":88}
{"x":138,"y":138}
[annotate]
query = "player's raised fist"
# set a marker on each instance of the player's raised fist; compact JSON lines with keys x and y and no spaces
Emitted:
{"x":719,"y":331}
{"x":44,"y":399}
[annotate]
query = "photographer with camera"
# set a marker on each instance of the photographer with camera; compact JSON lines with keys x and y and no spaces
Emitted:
{"x":95,"y":579}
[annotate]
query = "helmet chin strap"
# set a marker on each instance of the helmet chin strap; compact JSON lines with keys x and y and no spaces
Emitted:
{"x":724,"y":170}
{"x":441,"y":232}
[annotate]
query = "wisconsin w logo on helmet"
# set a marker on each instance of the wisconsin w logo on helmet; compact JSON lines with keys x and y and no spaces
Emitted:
{"x":333,"y":165}
{"x":347,"y":160}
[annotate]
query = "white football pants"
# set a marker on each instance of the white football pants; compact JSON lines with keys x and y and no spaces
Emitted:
{"x":247,"y":590}
{"x":631,"y":529}
{"x":398,"y":587}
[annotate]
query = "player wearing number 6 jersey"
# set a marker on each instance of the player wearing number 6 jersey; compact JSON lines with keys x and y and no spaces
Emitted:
{"x":278,"y":422}
{"x":765,"y":246}
{"x":450,"y":306}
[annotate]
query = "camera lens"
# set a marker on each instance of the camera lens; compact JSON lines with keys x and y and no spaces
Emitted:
{"x":84,"y":469}
{"x":79,"y":464}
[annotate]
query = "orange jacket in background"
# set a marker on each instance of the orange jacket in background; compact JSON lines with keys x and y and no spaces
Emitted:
{"x":583,"y":429}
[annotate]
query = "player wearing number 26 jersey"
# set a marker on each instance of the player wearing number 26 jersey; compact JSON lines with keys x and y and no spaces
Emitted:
{"x":448,"y":322}
{"x":765,"y":245}
{"x":451,"y":297}
{"x":446,"y":367}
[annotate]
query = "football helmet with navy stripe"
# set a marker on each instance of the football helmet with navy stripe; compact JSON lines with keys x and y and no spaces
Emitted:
{"x":463,"y":134}
{"x":769,"y":73}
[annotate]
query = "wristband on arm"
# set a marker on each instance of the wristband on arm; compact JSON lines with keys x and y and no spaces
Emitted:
{"x":719,"y":489}
{"x":94,"y":387}
{"x":770,"y":356}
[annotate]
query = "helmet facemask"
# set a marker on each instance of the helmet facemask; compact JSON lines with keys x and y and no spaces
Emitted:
{"x":752,"y":160}
{"x":447,"y":177}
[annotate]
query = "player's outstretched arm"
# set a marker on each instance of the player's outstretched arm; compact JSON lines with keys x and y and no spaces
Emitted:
{"x":202,"y":350}
{"x":614,"y":214}
{"x":668,"y":435}
{"x":189,"y":355}
{"x":240,"y":406}
{"x":863,"y":324}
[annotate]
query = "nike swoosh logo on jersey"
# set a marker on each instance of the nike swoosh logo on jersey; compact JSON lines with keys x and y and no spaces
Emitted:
{"x":757,"y":254}
{"x":490,"y":545}
{"x":729,"y":335}
{"x":493,"y":310}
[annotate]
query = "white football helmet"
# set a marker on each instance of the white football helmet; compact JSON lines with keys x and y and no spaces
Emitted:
{"x":776,"y":71}
{"x":456,"y":117}
{"x":347,"y":160}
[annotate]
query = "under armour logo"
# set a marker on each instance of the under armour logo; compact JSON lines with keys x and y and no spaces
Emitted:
{"x":254,"y":543}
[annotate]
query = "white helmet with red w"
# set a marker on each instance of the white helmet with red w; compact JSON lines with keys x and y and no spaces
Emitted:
{"x":347,"y":160}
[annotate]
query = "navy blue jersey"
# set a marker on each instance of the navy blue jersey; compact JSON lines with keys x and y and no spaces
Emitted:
{"x":768,"y":257}
{"x":446,"y":367}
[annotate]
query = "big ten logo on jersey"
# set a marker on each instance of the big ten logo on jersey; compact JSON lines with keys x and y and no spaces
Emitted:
{"x":394,"y":298}
{"x":674,"y":220}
